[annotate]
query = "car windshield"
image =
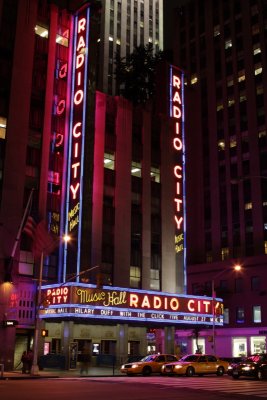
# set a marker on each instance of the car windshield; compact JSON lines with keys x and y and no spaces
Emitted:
{"x":255,"y":358}
{"x":151,"y":357}
{"x":189,"y":358}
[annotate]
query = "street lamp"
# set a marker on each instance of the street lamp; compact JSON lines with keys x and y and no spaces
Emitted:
{"x":35,"y":368}
{"x":236,"y":268}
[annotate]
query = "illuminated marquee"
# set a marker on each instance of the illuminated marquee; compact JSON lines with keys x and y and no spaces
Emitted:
{"x":74,"y":300}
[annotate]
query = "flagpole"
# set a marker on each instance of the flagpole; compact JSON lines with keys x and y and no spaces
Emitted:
{"x":22,"y":224}
{"x":35,"y":367}
{"x":9,"y":265}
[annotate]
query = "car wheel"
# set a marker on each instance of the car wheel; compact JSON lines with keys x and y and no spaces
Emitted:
{"x":259,"y":375}
{"x":220,"y":371}
{"x":146,"y":371}
{"x":190,"y":371}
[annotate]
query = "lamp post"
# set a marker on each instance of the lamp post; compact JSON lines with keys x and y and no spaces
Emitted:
{"x":35,"y":368}
{"x":236,"y":268}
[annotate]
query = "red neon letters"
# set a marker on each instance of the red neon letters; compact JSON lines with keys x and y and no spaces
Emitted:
{"x":176,"y":112}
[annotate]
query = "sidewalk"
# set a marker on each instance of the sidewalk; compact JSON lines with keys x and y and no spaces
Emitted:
{"x":58,"y":373}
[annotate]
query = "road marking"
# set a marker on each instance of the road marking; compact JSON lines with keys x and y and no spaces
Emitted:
{"x":225,"y":385}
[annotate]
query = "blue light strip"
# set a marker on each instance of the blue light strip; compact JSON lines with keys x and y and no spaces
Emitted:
{"x":121,"y":289}
{"x":70,"y":150}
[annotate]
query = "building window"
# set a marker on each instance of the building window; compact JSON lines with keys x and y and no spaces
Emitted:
{"x":155,"y":174}
{"x":240,"y":347}
{"x":257,"y":314}
{"x":238,"y":285}
{"x":258,"y":344}
{"x":41,"y":31}
{"x":109,"y":161}
{"x":228,"y":44}
{"x":226,"y":316}
{"x":240,"y":315}
{"x":2,"y":128}
{"x":225,"y":253}
{"x":136,"y":169}
{"x":135,"y":277}
{"x":255,"y":283}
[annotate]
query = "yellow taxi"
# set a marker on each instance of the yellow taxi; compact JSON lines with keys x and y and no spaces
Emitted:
{"x":196,"y":364}
{"x":148,"y":365}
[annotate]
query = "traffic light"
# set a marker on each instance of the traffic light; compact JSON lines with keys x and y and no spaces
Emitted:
{"x":44,"y":332}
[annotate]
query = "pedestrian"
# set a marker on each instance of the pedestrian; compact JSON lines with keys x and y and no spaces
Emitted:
{"x":30,"y":359}
{"x":25,"y":362}
{"x":85,"y":359}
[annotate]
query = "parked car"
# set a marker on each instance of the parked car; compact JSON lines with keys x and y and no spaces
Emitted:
{"x":196,"y":364}
{"x":148,"y":365}
{"x":254,"y":366}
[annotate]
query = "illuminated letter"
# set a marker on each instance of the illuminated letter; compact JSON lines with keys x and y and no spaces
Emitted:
{"x":177,"y":128}
{"x":76,"y":148}
{"x":191,"y":308}
{"x":178,"y":203}
{"x":206,"y":305}
{"x":177,"y":143}
{"x":81,"y":25}
{"x":176,"y":173}
{"x":145,"y":302}
{"x":75,"y":166}
{"x":76,"y":134}
{"x":78,"y":97}
{"x":79,"y":60}
{"x":156,"y":302}
{"x":178,"y":187}
{"x":59,"y":139}
{"x":176,"y":97}
{"x":176,"y":112}
{"x":81,"y":44}
{"x":133,"y":300}
{"x":63,"y":71}
{"x":178,"y":222}
{"x":60,"y":107}
{"x":174,"y":304}
{"x":74,"y":190}
{"x":176,"y":81}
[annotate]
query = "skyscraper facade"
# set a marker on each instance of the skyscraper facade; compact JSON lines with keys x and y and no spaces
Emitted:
{"x":222,"y":47}
{"x":124,"y":26}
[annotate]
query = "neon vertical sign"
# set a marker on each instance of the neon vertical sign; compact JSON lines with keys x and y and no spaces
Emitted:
{"x":76,"y":139}
{"x":177,"y":124}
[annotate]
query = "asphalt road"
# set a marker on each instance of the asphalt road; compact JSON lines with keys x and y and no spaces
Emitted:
{"x":141,"y":388}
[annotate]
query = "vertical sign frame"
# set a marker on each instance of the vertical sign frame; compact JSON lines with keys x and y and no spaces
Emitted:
{"x":75,"y":163}
{"x":176,"y":114}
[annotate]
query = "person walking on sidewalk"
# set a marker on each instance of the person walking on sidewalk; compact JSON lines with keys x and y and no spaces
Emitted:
{"x":85,"y":359}
{"x":25,"y":362}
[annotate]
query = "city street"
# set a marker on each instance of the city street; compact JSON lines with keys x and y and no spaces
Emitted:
{"x":135,"y":388}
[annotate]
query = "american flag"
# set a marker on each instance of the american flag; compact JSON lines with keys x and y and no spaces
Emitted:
{"x":42,"y":240}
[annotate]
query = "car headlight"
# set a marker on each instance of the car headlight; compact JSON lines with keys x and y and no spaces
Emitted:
{"x":123,"y":366}
{"x":248,"y":367}
{"x":230,"y":367}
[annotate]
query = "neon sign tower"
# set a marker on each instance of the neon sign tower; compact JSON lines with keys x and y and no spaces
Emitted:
{"x":176,"y":113}
{"x":74,"y":187}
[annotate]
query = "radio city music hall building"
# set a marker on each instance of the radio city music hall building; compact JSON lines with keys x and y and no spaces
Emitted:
{"x":108,"y":174}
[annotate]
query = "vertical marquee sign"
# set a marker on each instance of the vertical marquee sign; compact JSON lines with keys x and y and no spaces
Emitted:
{"x":177,"y":125}
{"x":73,"y":215}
